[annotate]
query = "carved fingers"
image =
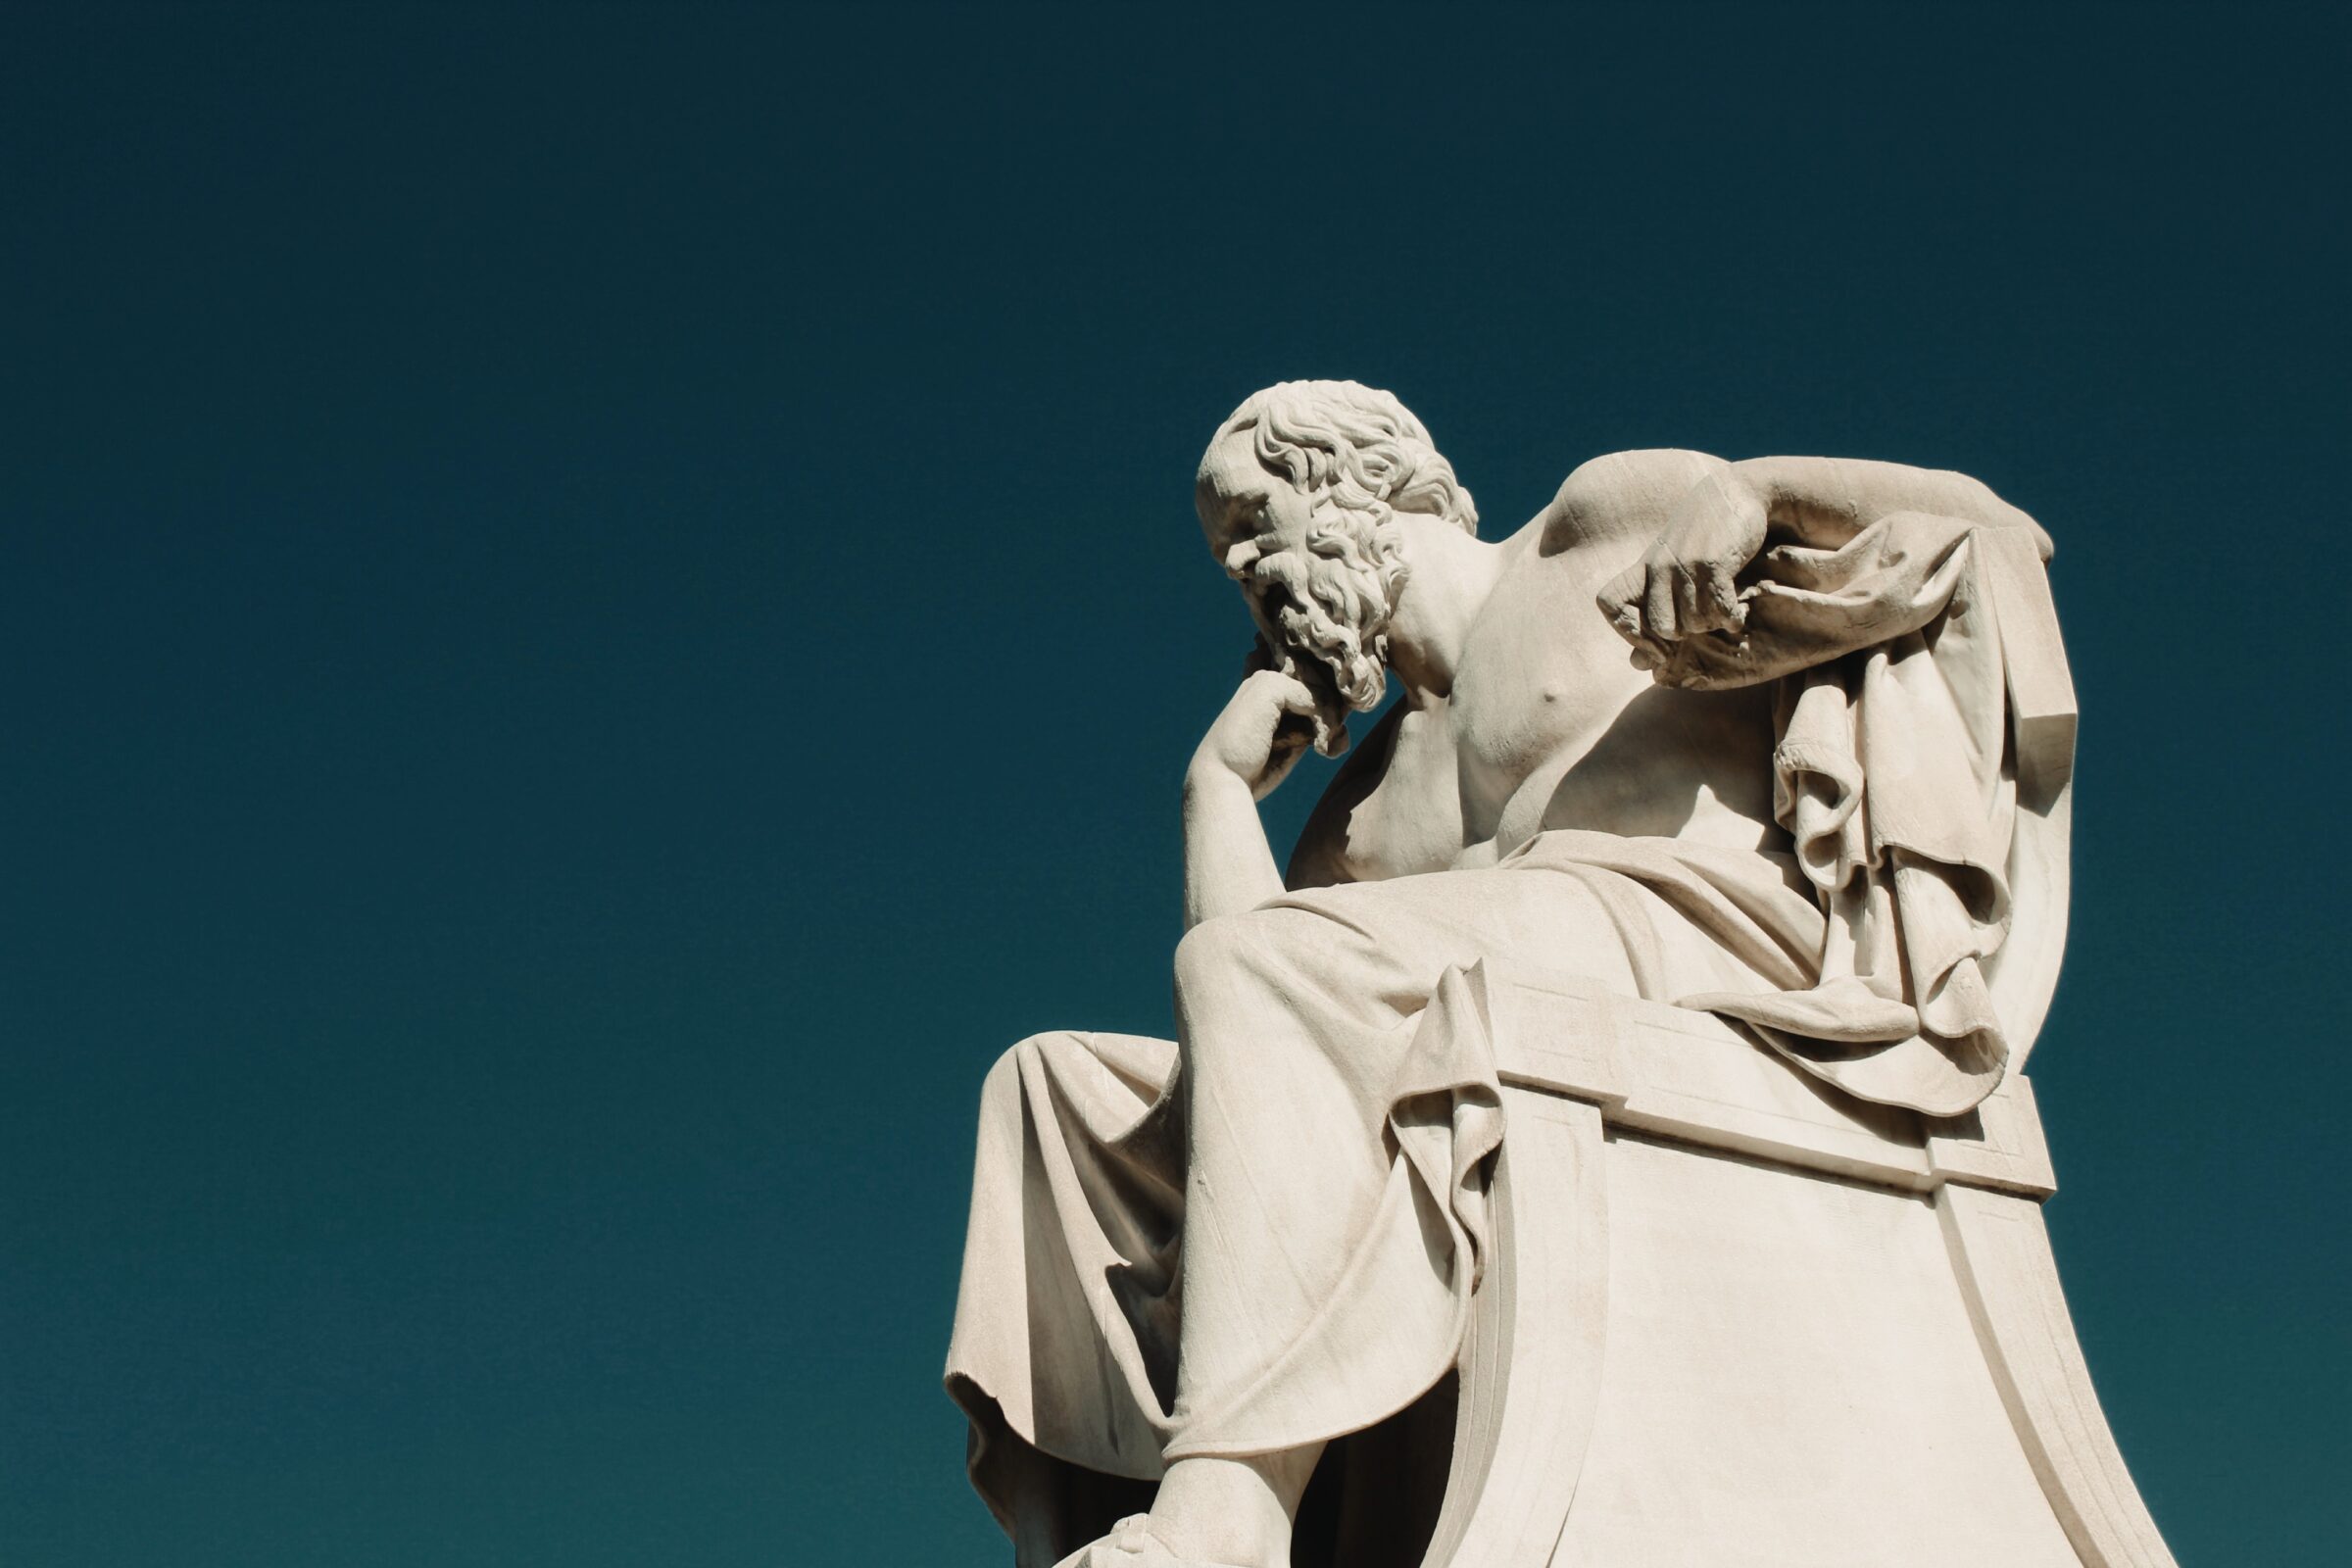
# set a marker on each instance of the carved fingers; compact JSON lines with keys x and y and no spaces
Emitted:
{"x":1687,"y":584}
{"x":1265,"y":728}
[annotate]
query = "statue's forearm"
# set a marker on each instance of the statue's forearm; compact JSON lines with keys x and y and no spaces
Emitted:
{"x":1709,"y":607}
{"x":1824,"y":502}
{"x":1228,"y":866}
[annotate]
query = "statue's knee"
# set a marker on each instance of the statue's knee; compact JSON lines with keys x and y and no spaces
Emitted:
{"x":1001,"y":1092}
{"x":1003,"y":1074}
{"x":1215,"y":949}
{"x":1263,"y":946}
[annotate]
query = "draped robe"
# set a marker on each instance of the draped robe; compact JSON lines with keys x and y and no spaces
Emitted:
{"x":1266,"y":1233}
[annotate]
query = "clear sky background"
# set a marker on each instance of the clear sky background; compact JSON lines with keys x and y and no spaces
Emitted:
{"x":602,"y":607}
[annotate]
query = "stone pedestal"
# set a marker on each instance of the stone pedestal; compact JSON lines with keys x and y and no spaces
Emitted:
{"x":1733,"y":1316}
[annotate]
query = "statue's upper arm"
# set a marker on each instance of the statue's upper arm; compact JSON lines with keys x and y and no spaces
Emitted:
{"x":1827,"y":500}
{"x":1623,"y":495}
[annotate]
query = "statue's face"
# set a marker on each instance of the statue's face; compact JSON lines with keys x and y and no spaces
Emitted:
{"x":1249,"y":513}
{"x":1319,"y":578}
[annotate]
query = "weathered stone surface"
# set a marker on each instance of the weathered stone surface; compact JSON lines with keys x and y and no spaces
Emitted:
{"x":1633,"y":1046}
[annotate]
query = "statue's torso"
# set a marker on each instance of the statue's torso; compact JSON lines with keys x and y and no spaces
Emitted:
{"x":1548,"y":725}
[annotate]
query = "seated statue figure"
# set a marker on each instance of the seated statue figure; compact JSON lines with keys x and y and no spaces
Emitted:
{"x":1730,"y":736}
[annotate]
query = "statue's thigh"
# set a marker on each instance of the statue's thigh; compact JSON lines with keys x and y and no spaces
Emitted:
{"x":1407,"y":931}
{"x":1322,"y":982}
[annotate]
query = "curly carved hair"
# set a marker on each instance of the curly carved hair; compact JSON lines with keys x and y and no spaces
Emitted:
{"x":1354,"y":444}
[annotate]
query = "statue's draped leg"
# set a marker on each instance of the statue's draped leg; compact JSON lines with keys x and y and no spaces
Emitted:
{"x":1321,"y":1153}
{"x":1064,"y":1344}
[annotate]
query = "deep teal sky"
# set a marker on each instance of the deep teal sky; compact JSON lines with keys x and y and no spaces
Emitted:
{"x":602,"y":607}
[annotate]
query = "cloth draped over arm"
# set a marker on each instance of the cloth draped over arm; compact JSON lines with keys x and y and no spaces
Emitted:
{"x":1924,"y":741}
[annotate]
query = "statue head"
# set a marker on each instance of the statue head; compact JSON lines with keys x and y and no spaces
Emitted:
{"x":1299,"y":494}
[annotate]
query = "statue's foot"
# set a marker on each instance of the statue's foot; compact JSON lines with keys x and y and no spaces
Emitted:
{"x":1132,"y":1544}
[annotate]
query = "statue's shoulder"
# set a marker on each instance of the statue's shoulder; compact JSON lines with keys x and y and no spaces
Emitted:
{"x":1623,"y":492}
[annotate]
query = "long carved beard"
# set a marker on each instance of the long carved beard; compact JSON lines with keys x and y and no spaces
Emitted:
{"x":1324,"y":614}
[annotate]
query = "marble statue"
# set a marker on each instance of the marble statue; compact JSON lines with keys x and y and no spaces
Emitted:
{"x":1715,"y":846}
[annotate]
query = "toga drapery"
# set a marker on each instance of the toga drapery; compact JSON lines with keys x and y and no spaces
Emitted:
{"x":1266,"y":1234}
